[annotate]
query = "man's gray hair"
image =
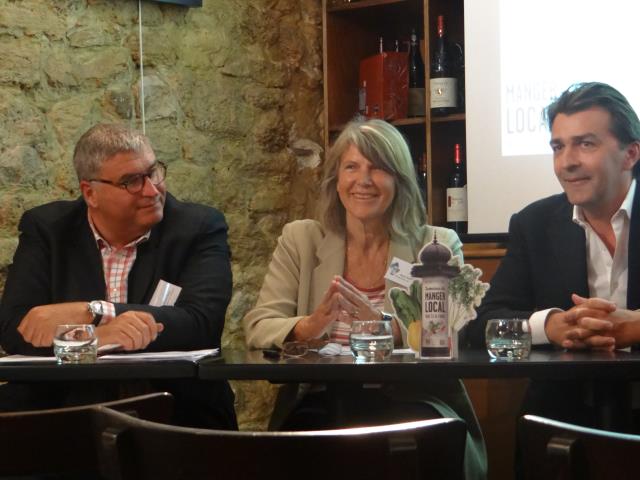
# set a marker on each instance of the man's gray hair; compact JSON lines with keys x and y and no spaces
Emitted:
{"x":103,"y":141}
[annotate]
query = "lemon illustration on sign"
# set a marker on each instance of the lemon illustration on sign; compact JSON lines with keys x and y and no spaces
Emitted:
{"x":413,"y":335}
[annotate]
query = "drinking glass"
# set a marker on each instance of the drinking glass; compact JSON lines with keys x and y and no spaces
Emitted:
{"x":508,"y":338}
{"x":371,"y":340}
{"x":75,"y":344}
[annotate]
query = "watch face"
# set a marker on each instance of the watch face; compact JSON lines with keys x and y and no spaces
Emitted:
{"x":96,"y":307}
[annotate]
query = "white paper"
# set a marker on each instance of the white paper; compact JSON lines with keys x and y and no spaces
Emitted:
{"x":108,"y":347}
{"x":193,"y":355}
{"x":165,"y":294}
{"x":400,"y":272}
{"x":403,"y":351}
{"x":26,"y":358}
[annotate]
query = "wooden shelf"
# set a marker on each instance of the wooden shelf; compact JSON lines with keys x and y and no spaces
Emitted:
{"x":409,"y":121}
{"x":400,"y":122}
{"x":455,"y":117}
{"x":358,"y":4}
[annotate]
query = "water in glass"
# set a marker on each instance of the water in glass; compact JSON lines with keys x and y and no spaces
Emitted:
{"x":508,"y":338}
{"x":371,"y":340}
{"x":75,"y":344}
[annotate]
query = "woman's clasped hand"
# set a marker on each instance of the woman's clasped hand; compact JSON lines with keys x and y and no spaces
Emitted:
{"x":341,"y":303}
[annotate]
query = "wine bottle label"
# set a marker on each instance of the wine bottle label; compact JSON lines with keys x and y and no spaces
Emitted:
{"x":435,"y":315}
{"x":444,"y":92}
{"x":457,"y":204}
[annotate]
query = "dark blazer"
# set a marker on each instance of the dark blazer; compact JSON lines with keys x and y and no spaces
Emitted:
{"x":57,"y":260}
{"x":545,"y":263}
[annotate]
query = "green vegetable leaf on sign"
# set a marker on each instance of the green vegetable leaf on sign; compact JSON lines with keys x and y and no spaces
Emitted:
{"x":466,"y":290}
{"x":407,"y":303}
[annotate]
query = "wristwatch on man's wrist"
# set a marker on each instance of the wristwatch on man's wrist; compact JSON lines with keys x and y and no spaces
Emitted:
{"x":96,"y":311}
{"x":386,"y":317}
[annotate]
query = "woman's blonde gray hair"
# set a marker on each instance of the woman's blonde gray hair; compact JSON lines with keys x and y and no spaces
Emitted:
{"x":385,"y":147}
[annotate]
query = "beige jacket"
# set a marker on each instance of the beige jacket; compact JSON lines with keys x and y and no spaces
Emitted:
{"x":303,"y":265}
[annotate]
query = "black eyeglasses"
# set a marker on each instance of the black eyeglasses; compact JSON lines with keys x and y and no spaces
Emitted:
{"x":135,"y":183}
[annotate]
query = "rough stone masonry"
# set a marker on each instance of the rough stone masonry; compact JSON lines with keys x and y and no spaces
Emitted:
{"x":233,"y":104}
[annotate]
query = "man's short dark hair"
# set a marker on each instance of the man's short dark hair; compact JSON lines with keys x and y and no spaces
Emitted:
{"x":624,"y":125}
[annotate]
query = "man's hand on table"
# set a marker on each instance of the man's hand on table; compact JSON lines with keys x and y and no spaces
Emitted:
{"x":594,"y":323}
{"x":37,"y":326}
{"x":586,"y":325}
{"x":621,"y":324}
{"x":132,"y":330}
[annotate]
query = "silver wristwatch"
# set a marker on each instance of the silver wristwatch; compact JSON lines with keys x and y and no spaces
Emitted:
{"x":95,"y":309}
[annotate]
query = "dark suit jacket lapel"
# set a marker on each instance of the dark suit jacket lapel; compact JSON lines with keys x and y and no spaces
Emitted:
{"x":142,"y":279}
{"x":633,"y":279}
{"x":568,"y":244}
{"x":85,"y":262}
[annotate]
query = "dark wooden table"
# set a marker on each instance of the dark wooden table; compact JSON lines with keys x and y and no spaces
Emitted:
{"x":102,"y":370}
{"x":253,"y":365}
{"x":607,"y":374}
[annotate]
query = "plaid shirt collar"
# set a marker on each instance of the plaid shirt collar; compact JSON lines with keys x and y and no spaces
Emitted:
{"x":102,"y":243}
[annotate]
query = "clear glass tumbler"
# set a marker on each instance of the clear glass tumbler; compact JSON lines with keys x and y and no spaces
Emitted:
{"x":508,"y":338}
{"x":75,"y":344}
{"x":371,"y":340}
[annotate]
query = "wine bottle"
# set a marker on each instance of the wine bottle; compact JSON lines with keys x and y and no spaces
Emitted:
{"x":457,"y":195}
{"x":443,"y":83}
{"x":416,"y":102}
{"x":422,"y":178}
{"x":362,"y":102}
{"x":460,"y":73}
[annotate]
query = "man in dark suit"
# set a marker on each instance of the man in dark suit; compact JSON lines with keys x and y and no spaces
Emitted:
{"x":572,"y":266}
{"x":100,"y":258}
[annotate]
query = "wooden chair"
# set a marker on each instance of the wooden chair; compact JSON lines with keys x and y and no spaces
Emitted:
{"x":138,"y":449}
{"x":45,"y":441}
{"x":557,"y":450}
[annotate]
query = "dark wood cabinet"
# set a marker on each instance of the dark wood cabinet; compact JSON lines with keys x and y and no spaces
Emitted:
{"x":351,"y":32}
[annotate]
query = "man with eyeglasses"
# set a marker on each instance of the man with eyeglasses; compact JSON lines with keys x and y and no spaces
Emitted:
{"x":99,"y":259}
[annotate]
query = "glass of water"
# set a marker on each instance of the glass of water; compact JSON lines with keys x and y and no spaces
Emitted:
{"x":371,"y":340}
{"x":508,"y":338}
{"x":75,"y":344}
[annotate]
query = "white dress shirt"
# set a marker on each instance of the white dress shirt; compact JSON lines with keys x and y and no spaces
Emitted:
{"x":606,"y":275}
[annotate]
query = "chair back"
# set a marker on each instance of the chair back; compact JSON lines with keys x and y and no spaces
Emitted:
{"x":562,"y":451}
{"x":138,"y":449}
{"x":41,"y":442}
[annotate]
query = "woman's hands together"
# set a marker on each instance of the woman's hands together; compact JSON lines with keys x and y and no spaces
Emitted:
{"x":341,"y":302}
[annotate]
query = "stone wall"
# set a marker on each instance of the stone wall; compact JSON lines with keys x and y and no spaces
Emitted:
{"x":233,"y":103}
